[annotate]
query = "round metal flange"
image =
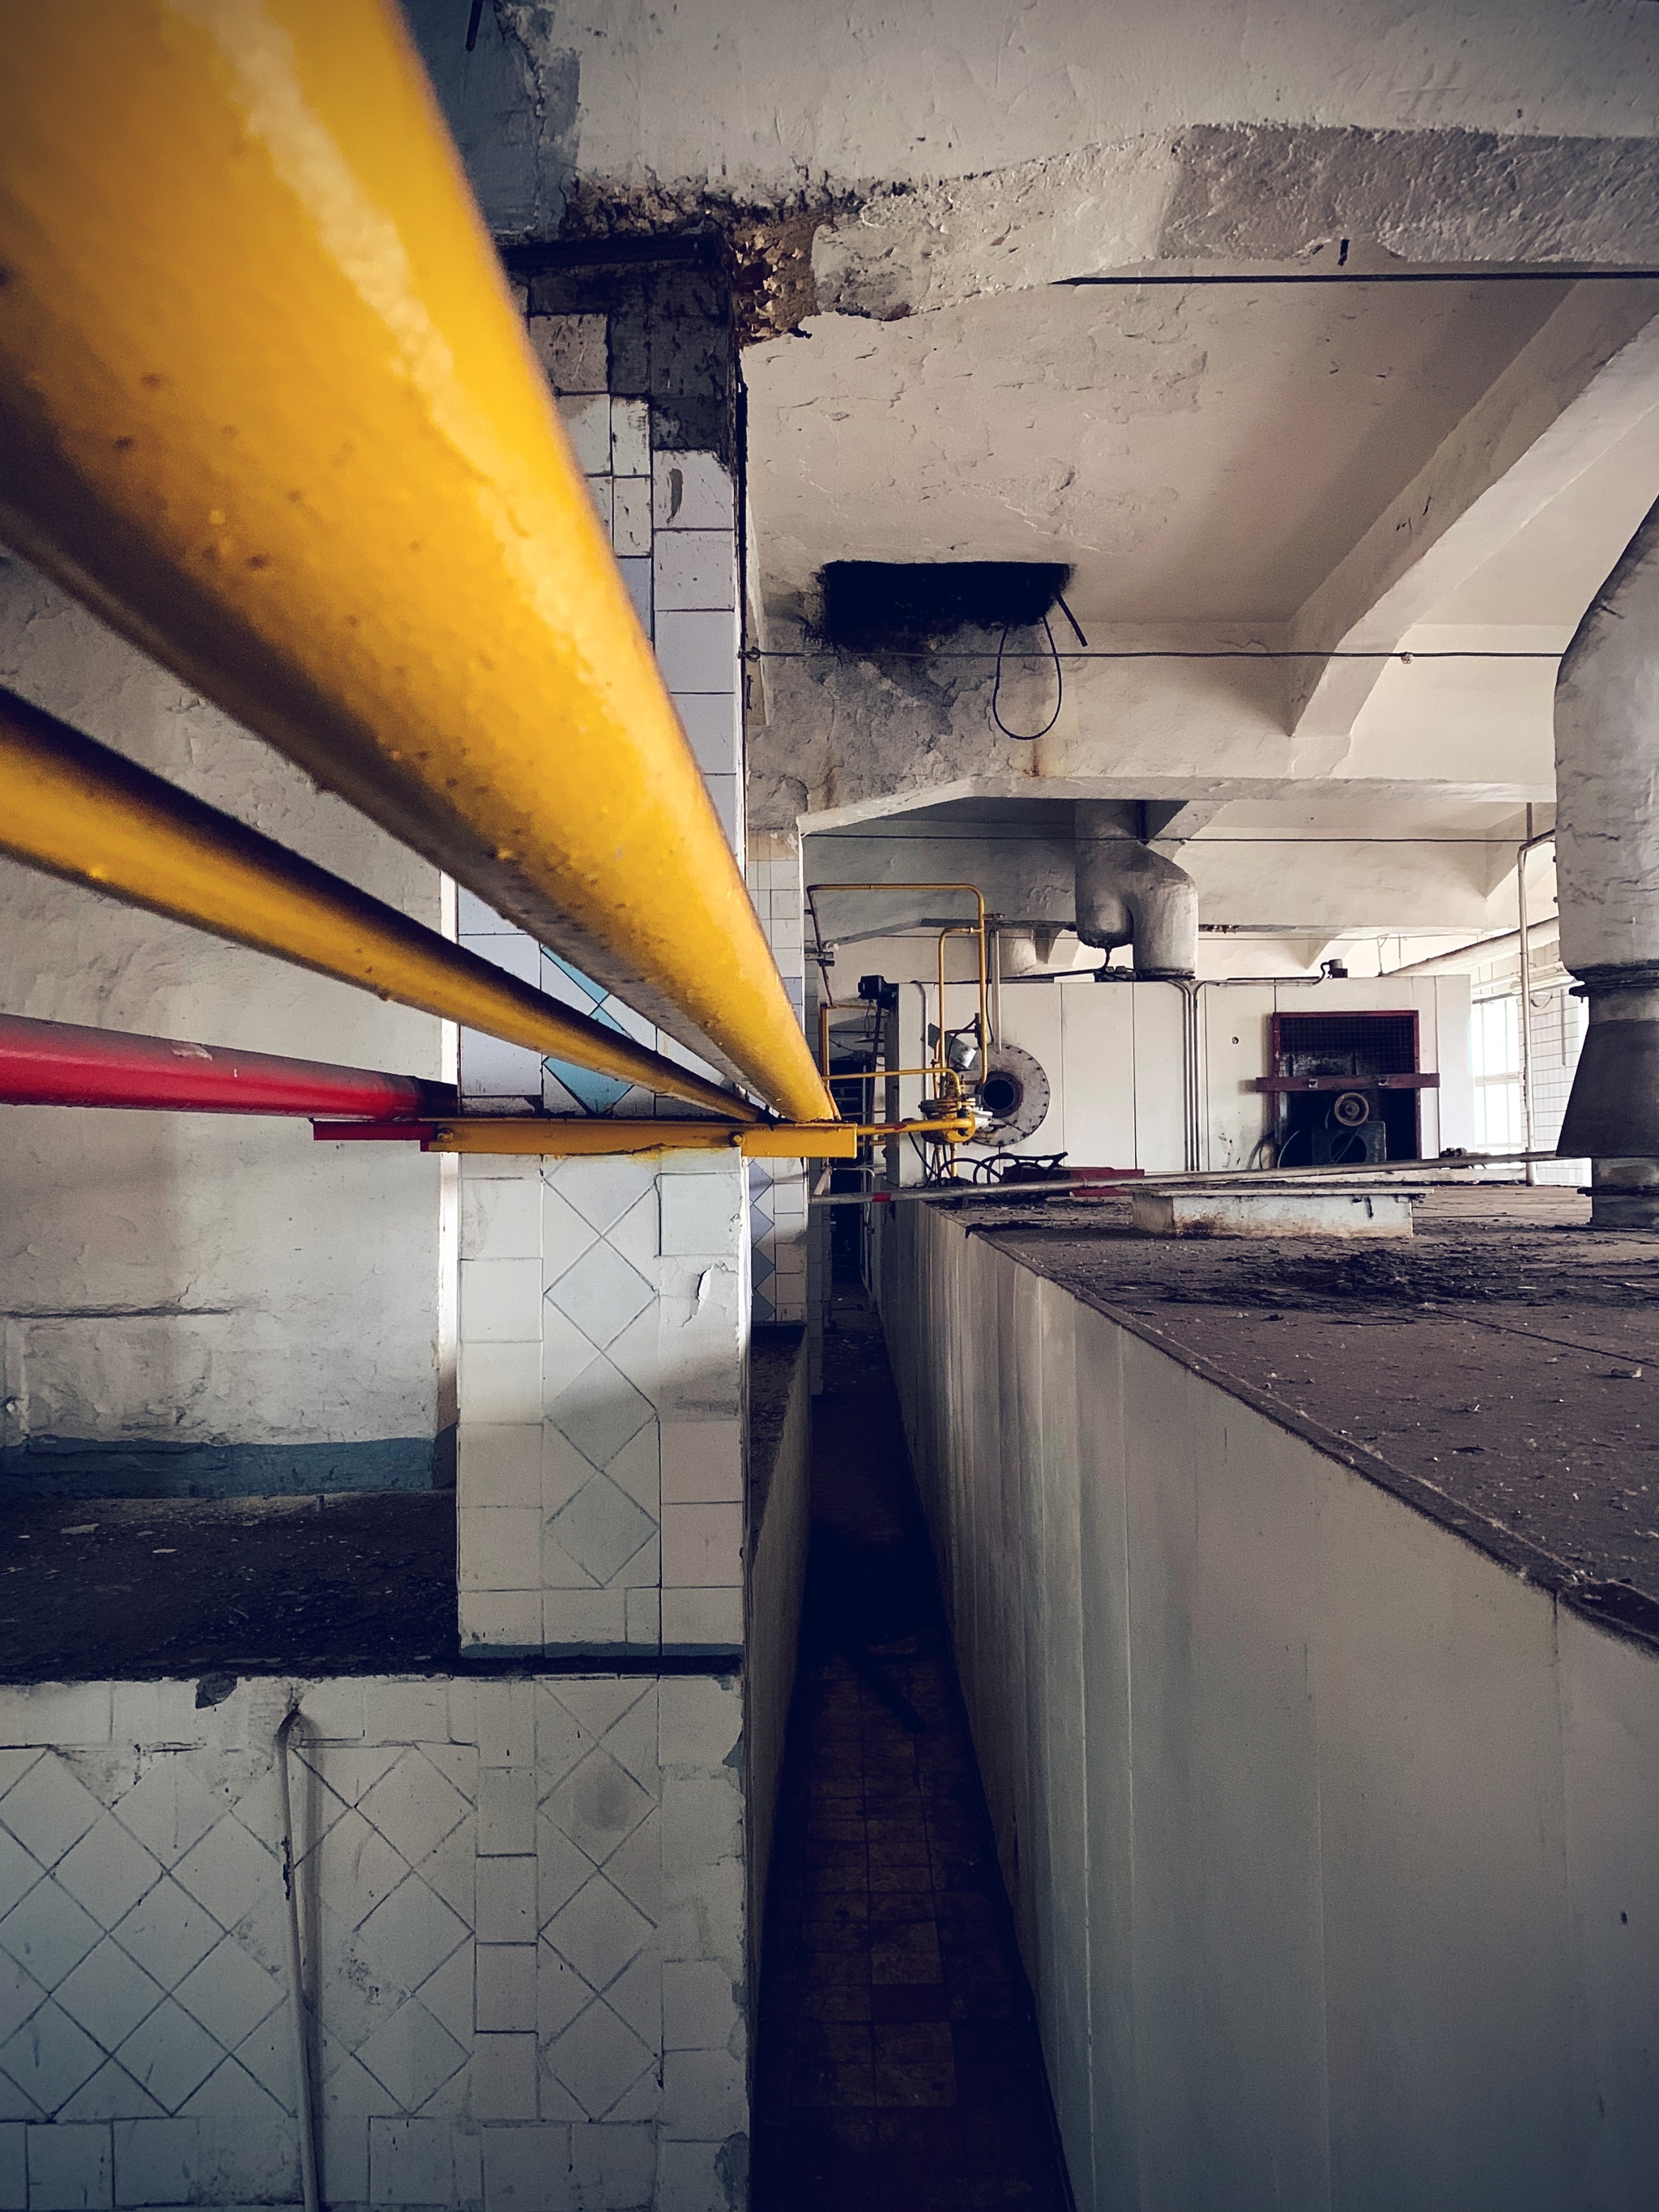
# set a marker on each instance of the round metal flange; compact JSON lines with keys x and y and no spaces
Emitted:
{"x":1351,"y":1109}
{"x":1015,"y":1092}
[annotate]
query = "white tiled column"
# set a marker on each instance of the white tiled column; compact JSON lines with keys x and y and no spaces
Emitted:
{"x":603,"y":1317}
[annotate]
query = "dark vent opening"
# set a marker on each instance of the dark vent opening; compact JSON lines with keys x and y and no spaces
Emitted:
{"x":1345,"y":1044}
{"x":870,"y":604}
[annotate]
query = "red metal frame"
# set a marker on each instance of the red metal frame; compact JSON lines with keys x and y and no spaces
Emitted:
{"x":58,"y":1064}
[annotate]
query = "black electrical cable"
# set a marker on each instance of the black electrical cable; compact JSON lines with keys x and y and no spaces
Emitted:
{"x":1029,"y":737}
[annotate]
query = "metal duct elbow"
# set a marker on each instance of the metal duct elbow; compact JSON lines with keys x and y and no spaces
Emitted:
{"x":1127,"y":894}
{"x":1606,"y":769}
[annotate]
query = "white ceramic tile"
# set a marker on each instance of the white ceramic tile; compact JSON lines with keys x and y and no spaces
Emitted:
{"x":643,"y":1617}
{"x":19,"y":1872}
{"x":630,"y":438}
{"x":108,"y":1994}
{"x":702,"y":1620}
{"x":572,"y":351}
{"x":48,"y":1933}
{"x":692,"y":491}
{"x":601,"y":1529}
{"x":13,"y":2167}
{"x":601,"y":1293}
{"x":698,"y":652}
{"x":500,"y":1620}
{"x":598,"y":2058}
{"x":506,"y":1811}
{"x":397,"y":1713}
{"x":699,"y":1720}
{"x":499,"y":1549}
{"x":630,"y":516}
{"x":599,"y":1931}
{"x":506,"y":1900}
{"x":168,"y":1809}
{"x":507,"y":1724}
{"x":587,"y":425}
{"x":565,"y":1235}
{"x":229,"y":1993}
{"x":637,"y":576}
{"x":713,"y":728}
{"x":57,"y":1713}
{"x":701,"y":1215}
{"x":699,"y":2005}
{"x":410,"y":2161}
{"x":527,"y":2169}
{"x":499,"y":1465}
{"x":602,"y":1188}
{"x":636,"y":1470}
{"x":600,"y":491}
{"x":169,"y":2055}
{"x":696,"y":569}
{"x":410,"y":1933}
{"x":506,"y":1999}
{"x":167,"y":1932}
{"x":500,"y":1301}
{"x":48,"y":1810}
{"x":584,"y":1619}
{"x":726,"y":792}
{"x":702,"y":1462}
{"x":504,"y":2077}
{"x":500,"y":1382}
{"x":411,"y":2055}
{"x":500,"y":1221}
{"x":492,"y":1069}
{"x":597,"y":1805}
{"x":228,"y":1873}
{"x":49,"y":2056}
{"x":599,"y":1409}
{"x":701,"y":1547}
{"x":107,"y":1871}
{"x":69,"y":2168}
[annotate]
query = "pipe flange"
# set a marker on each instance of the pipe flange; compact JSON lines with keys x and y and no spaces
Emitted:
{"x":1015,"y":1092}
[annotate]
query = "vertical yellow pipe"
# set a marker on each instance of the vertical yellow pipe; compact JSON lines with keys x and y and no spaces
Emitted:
{"x":265,"y":404}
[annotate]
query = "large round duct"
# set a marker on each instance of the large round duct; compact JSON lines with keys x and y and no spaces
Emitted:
{"x":1127,"y":894}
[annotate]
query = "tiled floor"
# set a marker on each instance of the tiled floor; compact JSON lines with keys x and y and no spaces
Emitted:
{"x":898,"y":2064}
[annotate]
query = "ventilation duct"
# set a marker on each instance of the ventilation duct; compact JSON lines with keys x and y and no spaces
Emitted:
{"x":1607,"y":858}
{"x":1127,"y":894}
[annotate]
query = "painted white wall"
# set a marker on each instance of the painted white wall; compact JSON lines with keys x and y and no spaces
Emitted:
{"x":197,"y":1279}
{"x":1329,"y":1839}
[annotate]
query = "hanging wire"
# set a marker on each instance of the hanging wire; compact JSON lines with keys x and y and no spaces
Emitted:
{"x":1031,"y":737}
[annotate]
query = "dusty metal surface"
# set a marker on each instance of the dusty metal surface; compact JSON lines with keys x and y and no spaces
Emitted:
{"x":1504,"y":1365}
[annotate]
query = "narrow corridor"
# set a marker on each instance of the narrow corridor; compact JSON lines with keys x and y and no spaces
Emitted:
{"x":898,"y":2064}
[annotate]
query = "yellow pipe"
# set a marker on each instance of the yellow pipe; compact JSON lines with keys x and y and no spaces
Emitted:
{"x":266,"y":405}
{"x":78,"y":811}
{"x":528,"y":1136}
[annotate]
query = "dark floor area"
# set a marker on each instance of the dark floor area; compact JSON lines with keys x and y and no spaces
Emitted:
{"x":139,"y":1587}
{"x":898,"y":2064}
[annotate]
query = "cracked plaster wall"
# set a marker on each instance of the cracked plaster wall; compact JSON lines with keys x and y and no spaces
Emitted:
{"x":206,"y":1282}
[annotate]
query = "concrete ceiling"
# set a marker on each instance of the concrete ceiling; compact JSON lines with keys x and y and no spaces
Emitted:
{"x":1203,"y":456}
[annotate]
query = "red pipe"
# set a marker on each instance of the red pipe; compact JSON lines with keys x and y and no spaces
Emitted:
{"x":56,"y":1064}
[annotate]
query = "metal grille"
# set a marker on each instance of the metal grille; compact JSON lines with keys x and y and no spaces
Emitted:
{"x":1345,"y":1044}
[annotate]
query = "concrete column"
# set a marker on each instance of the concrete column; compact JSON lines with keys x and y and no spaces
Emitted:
{"x":1607,"y":765}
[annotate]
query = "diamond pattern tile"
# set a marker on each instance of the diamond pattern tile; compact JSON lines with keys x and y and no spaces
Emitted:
{"x":48,"y":1809}
{"x":108,"y":1994}
{"x":598,"y":2058}
{"x":167,"y":1933}
{"x":48,"y":1932}
{"x":229,"y":1993}
{"x":414,"y":1807}
{"x":411,"y":1933}
{"x":169,"y":2054}
{"x":412,"y":2055}
{"x":107,"y":1871}
{"x":19,"y":1995}
{"x":599,"y":1931}
{"x":228,"y":1872}
{"x":168,"y":1810}
{"x":601,"y":1411}
{"x":597,"y":1805}
{"x":19,"y":1872}
{"x":49,"y":2057}
{"x":601,"y":1528}
{"x":601,"y":1189}
{"x":601,"y":1293}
